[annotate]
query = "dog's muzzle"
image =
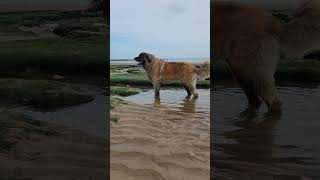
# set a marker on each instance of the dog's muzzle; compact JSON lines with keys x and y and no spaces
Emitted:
{"x":139,"y":61}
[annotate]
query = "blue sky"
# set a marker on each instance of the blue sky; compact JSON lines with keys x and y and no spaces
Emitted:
{"x":166,"y":28}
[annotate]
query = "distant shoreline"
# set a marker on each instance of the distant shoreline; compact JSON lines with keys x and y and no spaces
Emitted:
{"x":132,"y":62}
{"x":170,"y":59}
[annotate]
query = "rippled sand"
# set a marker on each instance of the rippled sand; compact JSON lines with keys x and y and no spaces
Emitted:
{"x":155,"y":142}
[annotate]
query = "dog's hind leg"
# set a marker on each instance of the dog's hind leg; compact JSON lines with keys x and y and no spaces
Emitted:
{"x":270,"y":96}
{"x":194,"y":92}
{"x":192,"y":88}
{"x":261,"y":88}
{"x":253,"y":60}
{"x":187,"y":89}
{"x":250,"y":89}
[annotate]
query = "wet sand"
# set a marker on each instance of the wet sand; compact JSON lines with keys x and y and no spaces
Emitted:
{"x":66,"y":142}
{"x":156,"y":141}
{"x":50,"y":151}
{"x":266,"y":146}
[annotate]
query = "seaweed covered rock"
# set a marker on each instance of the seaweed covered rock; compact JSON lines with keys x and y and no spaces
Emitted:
{"x":43,"y":93}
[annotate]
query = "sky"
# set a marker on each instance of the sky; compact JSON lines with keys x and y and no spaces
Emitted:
{"x":165,"y":28}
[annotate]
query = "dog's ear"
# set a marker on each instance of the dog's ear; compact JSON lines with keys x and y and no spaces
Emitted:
{"x":206,"y":64}
{"x":149,"y":57}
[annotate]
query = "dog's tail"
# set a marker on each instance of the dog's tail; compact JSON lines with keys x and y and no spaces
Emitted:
{"x":302,"y":33}
{"x":203,"y":71}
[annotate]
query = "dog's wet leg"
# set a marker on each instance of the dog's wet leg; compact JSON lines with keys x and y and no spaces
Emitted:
{"x":156,"y":87}
{"x":192,"y":88}
{"x":270,"y":96}
{"x":254,"y":100}
{"x":187,"y":89}
{"x":254,"y":69}
{"x":252,"y":90}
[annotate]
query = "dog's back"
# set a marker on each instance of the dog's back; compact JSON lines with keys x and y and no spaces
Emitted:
{"x":177,"y":71}
{"x":232,"y":20}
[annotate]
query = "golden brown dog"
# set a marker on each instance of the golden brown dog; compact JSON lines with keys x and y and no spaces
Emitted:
{"x":250,"y":39}
{"x":160,"y":72}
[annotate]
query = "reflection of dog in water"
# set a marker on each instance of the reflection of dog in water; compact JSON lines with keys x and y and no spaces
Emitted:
{"x":160,"y":72}
{"x":188,"y":105}
{"x":256,"y":132}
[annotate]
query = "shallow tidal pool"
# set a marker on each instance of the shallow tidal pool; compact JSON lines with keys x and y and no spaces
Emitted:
{"x":272,"y":145}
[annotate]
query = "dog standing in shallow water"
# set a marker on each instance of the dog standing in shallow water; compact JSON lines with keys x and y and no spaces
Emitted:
{"x":250,"y":39}
{"x":160,"y":72}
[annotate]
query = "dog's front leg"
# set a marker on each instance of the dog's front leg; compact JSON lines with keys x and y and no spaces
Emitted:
{"x":156,"y":87}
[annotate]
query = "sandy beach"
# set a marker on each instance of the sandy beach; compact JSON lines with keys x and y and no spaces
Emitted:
{"x":150,"y":142}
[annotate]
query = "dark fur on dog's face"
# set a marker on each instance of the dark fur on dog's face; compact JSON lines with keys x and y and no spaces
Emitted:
{"x":144,"y":58}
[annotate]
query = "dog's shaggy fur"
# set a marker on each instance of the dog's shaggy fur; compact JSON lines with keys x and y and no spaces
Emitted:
{"x":251,"y":39}
{"x":160,"y":72}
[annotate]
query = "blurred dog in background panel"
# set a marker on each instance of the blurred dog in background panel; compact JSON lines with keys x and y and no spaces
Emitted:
{"x":250,"y":39}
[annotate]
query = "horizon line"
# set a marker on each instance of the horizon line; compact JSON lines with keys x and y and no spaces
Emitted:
{"x":117,"y":59}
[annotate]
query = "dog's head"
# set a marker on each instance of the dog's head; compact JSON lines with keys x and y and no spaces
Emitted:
{"x":204,"y":71}
{"x":144,"y":58}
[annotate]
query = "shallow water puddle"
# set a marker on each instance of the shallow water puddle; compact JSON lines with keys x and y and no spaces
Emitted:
{"x":279,"y":144}
{"x":167,"y":139}
{"x":90,"y":118}
{"x":175,"y":99}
